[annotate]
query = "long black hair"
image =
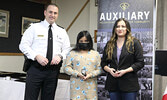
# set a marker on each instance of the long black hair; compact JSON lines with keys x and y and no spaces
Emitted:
{"x":88,"y":37}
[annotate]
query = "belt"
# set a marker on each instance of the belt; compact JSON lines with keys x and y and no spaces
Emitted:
{"x":47,"y":67}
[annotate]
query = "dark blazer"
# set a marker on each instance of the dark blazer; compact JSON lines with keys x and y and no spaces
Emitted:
{"x":129,"y":81}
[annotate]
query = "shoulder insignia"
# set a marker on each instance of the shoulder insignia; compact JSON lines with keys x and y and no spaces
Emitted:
{"x":60,"y":26}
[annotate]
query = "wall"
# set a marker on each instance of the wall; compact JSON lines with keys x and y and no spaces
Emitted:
{"x":11,"y":63}
{"x":86,"y":21}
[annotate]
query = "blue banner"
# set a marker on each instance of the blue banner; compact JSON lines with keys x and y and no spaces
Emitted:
{"x":140,"y":15}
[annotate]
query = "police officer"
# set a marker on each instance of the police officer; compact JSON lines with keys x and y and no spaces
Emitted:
{"x":45,"y":56}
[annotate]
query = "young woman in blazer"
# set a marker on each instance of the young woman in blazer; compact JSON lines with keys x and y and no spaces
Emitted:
{"x":122,"y":58}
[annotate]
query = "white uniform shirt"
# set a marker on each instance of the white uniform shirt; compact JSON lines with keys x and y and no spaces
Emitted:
{"x":35,"y":39}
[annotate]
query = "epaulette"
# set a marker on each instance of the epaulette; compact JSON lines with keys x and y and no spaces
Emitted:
{"x":60,"y":26}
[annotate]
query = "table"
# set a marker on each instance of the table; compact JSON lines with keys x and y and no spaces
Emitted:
{"x":13,"y":90}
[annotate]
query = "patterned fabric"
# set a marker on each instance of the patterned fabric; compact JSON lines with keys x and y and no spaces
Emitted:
{"x":75,"y":62}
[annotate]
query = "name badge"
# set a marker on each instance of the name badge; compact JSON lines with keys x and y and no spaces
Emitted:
{"x":40,"y":35}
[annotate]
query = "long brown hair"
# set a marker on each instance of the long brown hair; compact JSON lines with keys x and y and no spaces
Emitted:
{"x":112,"y":41}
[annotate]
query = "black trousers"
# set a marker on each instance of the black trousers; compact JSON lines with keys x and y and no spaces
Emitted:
{"x":41,"y":80}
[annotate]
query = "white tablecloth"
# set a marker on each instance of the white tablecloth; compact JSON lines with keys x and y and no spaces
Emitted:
{"x":13,"y":90}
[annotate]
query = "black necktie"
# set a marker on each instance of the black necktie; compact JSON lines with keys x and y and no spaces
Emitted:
{"x":50,"y":45}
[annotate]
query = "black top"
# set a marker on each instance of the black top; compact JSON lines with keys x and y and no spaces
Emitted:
{"x":129,"y":81}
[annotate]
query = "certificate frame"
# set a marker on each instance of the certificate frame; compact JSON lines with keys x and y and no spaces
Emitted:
{"x":4,"y":23}
{"x":26,"y":21}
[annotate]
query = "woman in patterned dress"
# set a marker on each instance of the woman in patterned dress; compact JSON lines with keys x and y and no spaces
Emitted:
{"x":83,"y":64}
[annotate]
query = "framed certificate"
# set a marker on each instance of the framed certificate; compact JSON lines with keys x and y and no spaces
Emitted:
{"x":4,"y":23}
{"x":26,"y":21}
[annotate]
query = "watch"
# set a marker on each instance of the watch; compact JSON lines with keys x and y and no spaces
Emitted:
{"x":60,"y":56}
